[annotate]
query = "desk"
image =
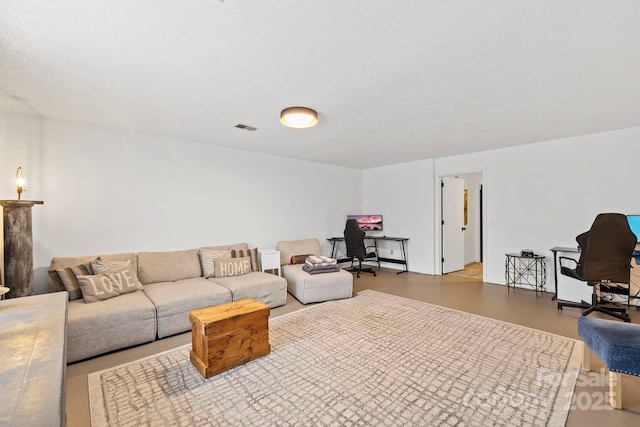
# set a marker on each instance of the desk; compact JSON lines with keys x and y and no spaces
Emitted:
{"x":526,"y":270}
{"x":402,"y":241}
{"x":555,"y":250}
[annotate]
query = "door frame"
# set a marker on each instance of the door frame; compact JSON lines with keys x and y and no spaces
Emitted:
{"x":437,"y":215}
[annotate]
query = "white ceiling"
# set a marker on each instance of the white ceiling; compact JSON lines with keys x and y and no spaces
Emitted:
{"x":392,"y":81}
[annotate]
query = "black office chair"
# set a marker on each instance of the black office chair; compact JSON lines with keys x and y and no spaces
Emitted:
{"x":605,"y":263}
{"x":354,"y":239}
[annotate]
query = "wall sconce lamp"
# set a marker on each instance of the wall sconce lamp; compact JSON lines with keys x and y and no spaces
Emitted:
{"x":20,"y":181}
{"x":299,"y":117}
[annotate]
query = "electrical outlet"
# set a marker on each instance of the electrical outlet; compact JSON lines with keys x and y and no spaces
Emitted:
{"x":391,"y":251}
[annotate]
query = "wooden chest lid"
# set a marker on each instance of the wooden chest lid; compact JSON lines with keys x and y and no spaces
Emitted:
{"x":227,"y":310}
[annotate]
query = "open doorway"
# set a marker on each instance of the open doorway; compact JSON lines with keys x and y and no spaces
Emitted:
{"x":467,"y":218}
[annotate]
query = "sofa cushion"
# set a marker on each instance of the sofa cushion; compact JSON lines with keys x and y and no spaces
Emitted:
{"x":228,"y":267}
{"x":154,"y":267}
{"x":174,"y":301}
{"x":267,"y":288}
{"x":207,"y":256}
{"x":297,"y":247}
{"x":109,"y":325}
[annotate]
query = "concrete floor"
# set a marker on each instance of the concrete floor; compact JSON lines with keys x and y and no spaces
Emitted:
{"x":518,"y":306}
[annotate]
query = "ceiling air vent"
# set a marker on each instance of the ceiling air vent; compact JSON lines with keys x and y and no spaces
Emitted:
{"x":245,"y":127}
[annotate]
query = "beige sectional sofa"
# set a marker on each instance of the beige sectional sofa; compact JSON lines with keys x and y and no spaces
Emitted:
{"x":173,"y":285}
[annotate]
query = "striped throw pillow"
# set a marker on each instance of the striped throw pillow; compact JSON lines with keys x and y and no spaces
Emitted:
{"x":69,"y":279}
{"x":251,"y":253}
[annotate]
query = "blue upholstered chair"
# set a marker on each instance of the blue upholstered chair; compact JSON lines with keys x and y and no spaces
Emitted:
{"x":617,"y":345}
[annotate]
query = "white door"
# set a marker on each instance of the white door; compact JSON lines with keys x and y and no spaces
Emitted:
{"x":452,"y":224}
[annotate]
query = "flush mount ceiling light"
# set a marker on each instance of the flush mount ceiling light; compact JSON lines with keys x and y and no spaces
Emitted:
{"x":298,"y":117}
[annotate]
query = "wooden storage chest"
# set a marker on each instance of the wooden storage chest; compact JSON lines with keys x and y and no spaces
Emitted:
{"x":228,"y":335}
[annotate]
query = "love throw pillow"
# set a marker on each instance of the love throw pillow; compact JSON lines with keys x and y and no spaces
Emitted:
{"x":100,"y":287}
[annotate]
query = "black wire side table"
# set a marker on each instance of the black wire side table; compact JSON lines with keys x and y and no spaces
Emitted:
{"x":526,"y":270}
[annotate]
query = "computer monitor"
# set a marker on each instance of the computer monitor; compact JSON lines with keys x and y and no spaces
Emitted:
{"x":634,"y":224}
{"x":368,"y":222}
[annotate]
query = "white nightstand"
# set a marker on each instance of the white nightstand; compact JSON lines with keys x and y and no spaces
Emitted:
{"x":269,"y":260}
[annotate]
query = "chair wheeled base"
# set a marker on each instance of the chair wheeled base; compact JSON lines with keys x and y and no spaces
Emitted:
{"x":617,"y":312}
{"x":359,"y":269}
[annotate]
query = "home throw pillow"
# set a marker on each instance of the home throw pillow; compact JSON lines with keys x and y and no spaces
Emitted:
{"x":68,"y":277}
{"x":227,"y":267}
{"x":206,"y":259}
{"x":251,"y":253}
{"x":100,"y":287}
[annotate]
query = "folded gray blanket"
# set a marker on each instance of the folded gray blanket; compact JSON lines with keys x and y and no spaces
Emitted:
{"x":320,"y":269}
{"x":320,"y":260}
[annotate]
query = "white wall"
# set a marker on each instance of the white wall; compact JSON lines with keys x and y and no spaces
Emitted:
{"x":20,"y":138}
{"x":536,"y":196}
{"x":404,"y":195}
{"x":542,"y":195}
{"x":108,"y":191}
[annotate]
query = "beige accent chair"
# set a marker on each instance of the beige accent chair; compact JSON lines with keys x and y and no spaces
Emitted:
{"x":309,"y":288}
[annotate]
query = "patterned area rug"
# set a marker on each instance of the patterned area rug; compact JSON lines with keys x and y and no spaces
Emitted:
{"x":372,"y":360}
